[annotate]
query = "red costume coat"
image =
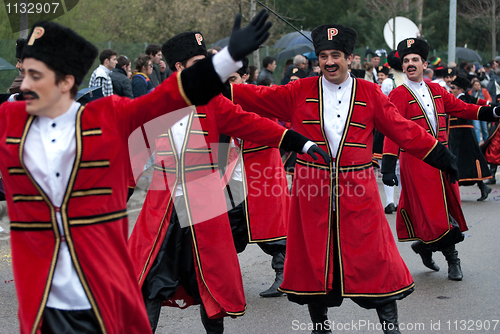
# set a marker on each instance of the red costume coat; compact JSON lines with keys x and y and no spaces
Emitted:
{"x":427,"y":198}
{"x":491,"y":148}
{"x":370,"y":264}
{"x":266,"y":194}
{"x":93,"y":211}
{"x":216,"y":262}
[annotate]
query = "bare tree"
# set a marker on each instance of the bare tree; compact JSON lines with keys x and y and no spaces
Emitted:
{"x":485,"y":11}
{"x":388,"y":9}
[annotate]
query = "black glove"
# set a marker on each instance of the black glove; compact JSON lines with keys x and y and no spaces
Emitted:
{"x":243,"y":41}
{"x":315,"y":149}
{"x":388,"y":170}
{"x":390,"y":179}
{"x":441,"y":158}
{"x":294,"y":141}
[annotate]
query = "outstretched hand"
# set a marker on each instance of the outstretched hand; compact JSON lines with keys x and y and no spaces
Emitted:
{"x":315,"y":149}
{"x":243,"y":41}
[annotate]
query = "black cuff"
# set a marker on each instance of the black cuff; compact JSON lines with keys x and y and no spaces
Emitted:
{"x":201,"y":83}
{"x":388,"y":163}
{"x":293,"y":141}
{"x":486,"y":114}
{"x":440,"y":157}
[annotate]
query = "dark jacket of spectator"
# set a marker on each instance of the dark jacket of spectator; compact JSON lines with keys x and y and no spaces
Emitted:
{"x":121,"y":83}
{"x":157,"y":77}
{"x":141,"y":84}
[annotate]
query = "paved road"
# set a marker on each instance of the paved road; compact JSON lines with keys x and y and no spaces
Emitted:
{"x":437,"y":305}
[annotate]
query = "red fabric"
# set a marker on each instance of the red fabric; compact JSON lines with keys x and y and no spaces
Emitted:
{"x":216,"y":262}
{"x":369,"y":260}
{"x":97,"y":223}
{"x":427,"y":198}
{"x":492,"y":153}
{"x":268,"y":200}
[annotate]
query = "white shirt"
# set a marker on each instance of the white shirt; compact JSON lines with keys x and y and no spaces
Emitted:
{"x":424,"y":97}
{"x":336,"y":101}
{"x":49,"y":155}
{"x":387,"y":86}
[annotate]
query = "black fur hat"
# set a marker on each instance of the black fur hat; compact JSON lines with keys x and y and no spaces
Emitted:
{"x":20,"y":43}
{"x":334,"y":37}
{"x":383,"y":69}
{"x":450,"y":72}
{"x":394,"y":61}
{"x":295,"y":71}
{"x":182,"y":47}
{"x":461,"y":82}
{"x":61,"y":49}
{"x":413,"y":45}
{"x":440,"y":71}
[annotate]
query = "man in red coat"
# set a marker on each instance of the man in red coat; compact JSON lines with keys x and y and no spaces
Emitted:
{"x":429,"y":207}
{"x":181,"y":245}
{"x":65,"y":175}
{"x":339,"y":244}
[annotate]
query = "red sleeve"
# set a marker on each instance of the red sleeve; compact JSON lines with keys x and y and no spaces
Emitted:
{"x":275,"y":101}
{"x":456,"y":107}
{"x":399,"y":131}
{"x":233,"y":121}
{"x":165,"y":98}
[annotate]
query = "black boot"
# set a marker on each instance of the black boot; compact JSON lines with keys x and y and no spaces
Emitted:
{"x":485,"y":190}
{"x":212,"y":326}
{"x":388,"y":315}
{"x":454,"y":269}
{"x":493,"y":171}
{"x":319,"y":317}
{"x":277,"y":263}
{"x":426,"y":255}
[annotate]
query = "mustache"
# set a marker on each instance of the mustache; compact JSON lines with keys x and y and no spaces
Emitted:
{"x":331,"y":66}
{"x":31,"y":94}
{"x":411,"y":67}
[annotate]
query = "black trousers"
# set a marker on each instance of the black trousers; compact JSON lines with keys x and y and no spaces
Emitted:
{"x":69,"y":322}
{"x":235,"y":202}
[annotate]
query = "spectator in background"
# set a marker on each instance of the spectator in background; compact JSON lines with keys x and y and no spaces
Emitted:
{"x":487,"y":75}
{"x":315,"y":69}
{"x":269,"y":64}
{"x":481,"y":127}
{"x":299,"y":62}
{"x":100,"y":77}
{"x":119,"y":77}
{"x":284,"y":80}
{"x":375,"y":61}
{"x":159,"y":67}
{"x":428,"y":75}
{"x":253,"y":73}
{"x":265,"y":82}
{"x":449,"y":76}
{"x":141,"y":84}
{"x":357,"y":69}
{"x":357,"y":57}
{"x":368,"y":67}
